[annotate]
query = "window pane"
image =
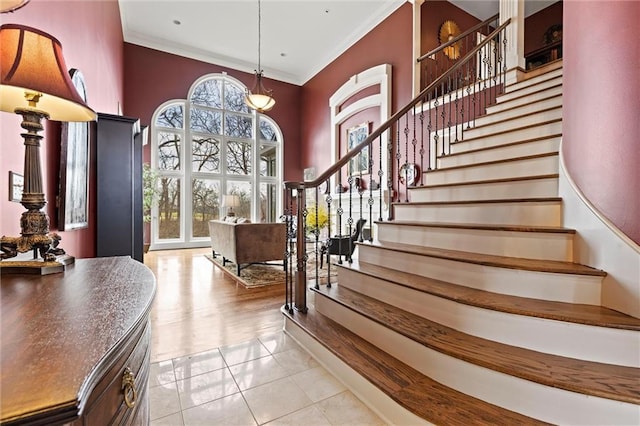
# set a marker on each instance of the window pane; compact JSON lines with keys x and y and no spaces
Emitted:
{"x":243,"y":189}
{"x":171,"y":116}
{"x":238,"y":126}
{"x":208,"y":93}
{"x":206,"y":154}
{"x":268,"y":202}
{"x":267,"y":131}
{"x":268,"y":160}
{"x":206,"y":196}
{"x":168,"y":151}
{"x":169,"y":208}
{"x":206,"y":121}
{"x":234,"y":98}
{"x":238,"y":158}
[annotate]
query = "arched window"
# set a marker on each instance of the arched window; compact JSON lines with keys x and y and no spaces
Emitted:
{"x":208,"y":146}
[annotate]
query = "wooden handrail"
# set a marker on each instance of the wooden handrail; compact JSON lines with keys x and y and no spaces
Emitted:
{"x":387,"y":124}
{"x":458,"y":38}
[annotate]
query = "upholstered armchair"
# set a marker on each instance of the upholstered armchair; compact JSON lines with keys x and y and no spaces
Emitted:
{"x":342,"y":245}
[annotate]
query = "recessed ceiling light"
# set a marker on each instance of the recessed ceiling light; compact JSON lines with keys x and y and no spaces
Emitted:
{"x":283,"y":54}
{"x":175,"y":21}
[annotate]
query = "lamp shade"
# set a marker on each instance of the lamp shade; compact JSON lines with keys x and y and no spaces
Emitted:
{"x":230,"y":201}
{"x":31,"y":61}
{"x":11,"y":5}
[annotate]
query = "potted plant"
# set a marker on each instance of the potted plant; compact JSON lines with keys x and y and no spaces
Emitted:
{"x":316,"y":220}
{"x":149,"y":193}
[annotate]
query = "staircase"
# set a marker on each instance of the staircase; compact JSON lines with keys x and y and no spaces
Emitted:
{"x":468,"y":308}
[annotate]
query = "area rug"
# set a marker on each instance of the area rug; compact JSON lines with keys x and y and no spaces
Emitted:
{"x":260,"y":275}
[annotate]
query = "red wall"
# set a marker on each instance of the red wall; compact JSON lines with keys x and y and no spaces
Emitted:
{"x":537,"y":24}
{"x":153,"y":77}
{"x":432,"y":16}
{"x":91,"y":38}
{"x":601,"y":125}
{"x":390,"y":42}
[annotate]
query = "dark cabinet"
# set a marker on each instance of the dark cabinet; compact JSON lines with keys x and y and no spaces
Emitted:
{"x":118,"y":144}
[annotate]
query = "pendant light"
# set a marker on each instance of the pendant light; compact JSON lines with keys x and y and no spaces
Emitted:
{"x":259,"y":98}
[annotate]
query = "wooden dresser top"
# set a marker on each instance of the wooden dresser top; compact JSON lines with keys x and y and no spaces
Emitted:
{"x":57,"y":331}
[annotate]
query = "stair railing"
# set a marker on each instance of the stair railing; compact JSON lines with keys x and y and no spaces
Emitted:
{"x":416,"y":136}
{"x":443,"y":57}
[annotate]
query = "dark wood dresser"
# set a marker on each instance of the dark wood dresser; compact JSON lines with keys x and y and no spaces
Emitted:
{"x":75,"y":346}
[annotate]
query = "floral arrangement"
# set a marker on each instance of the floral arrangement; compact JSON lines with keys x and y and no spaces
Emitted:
{"x":322,"y":218}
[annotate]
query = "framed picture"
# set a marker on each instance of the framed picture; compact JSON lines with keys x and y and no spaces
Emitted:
{"x":73,"y":212}
{"x":360,"y":163}
{"x":16,"y":186}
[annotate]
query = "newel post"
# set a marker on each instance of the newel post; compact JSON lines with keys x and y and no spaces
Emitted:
{"x":300,"y":277}
{"x":514,"y":35}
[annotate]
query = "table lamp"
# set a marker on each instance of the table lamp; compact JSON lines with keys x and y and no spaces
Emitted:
{"x":230,"y":201}
{"x":35,"y":84}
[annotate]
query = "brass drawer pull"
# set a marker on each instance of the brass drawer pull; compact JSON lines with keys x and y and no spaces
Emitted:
{"x":129,"y":387}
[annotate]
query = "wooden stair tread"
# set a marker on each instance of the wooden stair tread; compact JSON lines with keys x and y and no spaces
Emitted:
{"x":614,"y":382}
{"x":487,"y":181}
{"x":501,"y":132}
{"x":495,"y":147}
{"x":559,"y":311}
{"x":496,"y":201}
{"x":512,"y":118}
{"x":546,"y":98}
{"x":480,"y":226}
{"x":493,"y":260}
{"x":486,"y":163}
{"x":411,"y":389}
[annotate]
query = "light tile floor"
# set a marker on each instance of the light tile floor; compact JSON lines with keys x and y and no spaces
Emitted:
{"x":265,"y":381}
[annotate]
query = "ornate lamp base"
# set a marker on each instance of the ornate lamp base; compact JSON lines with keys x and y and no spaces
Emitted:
{"x":53,"y":259}
{"x":25,"y":264}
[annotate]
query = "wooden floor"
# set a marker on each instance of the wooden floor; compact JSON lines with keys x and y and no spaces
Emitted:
{"x":197,"y":307}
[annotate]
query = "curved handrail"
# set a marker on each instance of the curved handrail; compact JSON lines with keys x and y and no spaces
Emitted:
{"x":458,"y":38}
{"x":387,"y":124}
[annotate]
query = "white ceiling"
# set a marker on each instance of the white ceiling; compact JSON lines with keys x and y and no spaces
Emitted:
{"x":299,"y":37}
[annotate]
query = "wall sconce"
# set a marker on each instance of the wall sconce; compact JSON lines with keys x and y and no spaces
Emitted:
{"x":448,"y":31}
{"x":231,"y":201}
{"x":35,"y":84}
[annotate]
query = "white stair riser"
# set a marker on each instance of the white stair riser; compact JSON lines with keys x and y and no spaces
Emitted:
{"x":543,"y":146}
{"x":536,"y":83}
{"x":514,"y":111}
{"x":568,"y":288}
{"x":532,"y":188}
{"x":531,"y":245}
{"x":503,"y":170}
{"x":529,"y":398}
{"x":506,"y":104}
{"x":533,"y":132}
{"x":571,"y":340}
{"x":503,"y":126}
{"x":544,"y":213}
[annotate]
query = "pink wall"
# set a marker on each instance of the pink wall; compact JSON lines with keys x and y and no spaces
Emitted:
{"x":91,"y":38}
{"x":601,"y":122}
{"x":153,"y":77}
{"x":390,"y":42}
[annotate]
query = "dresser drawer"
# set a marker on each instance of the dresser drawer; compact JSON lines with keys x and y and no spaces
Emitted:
{"x":106,"y":403}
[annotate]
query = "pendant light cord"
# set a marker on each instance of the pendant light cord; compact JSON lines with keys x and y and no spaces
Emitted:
{"x":259,"y":70}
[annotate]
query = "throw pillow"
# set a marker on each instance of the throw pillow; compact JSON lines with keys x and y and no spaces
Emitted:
{"x":230,"y":219}
{"x":243,"y":220}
